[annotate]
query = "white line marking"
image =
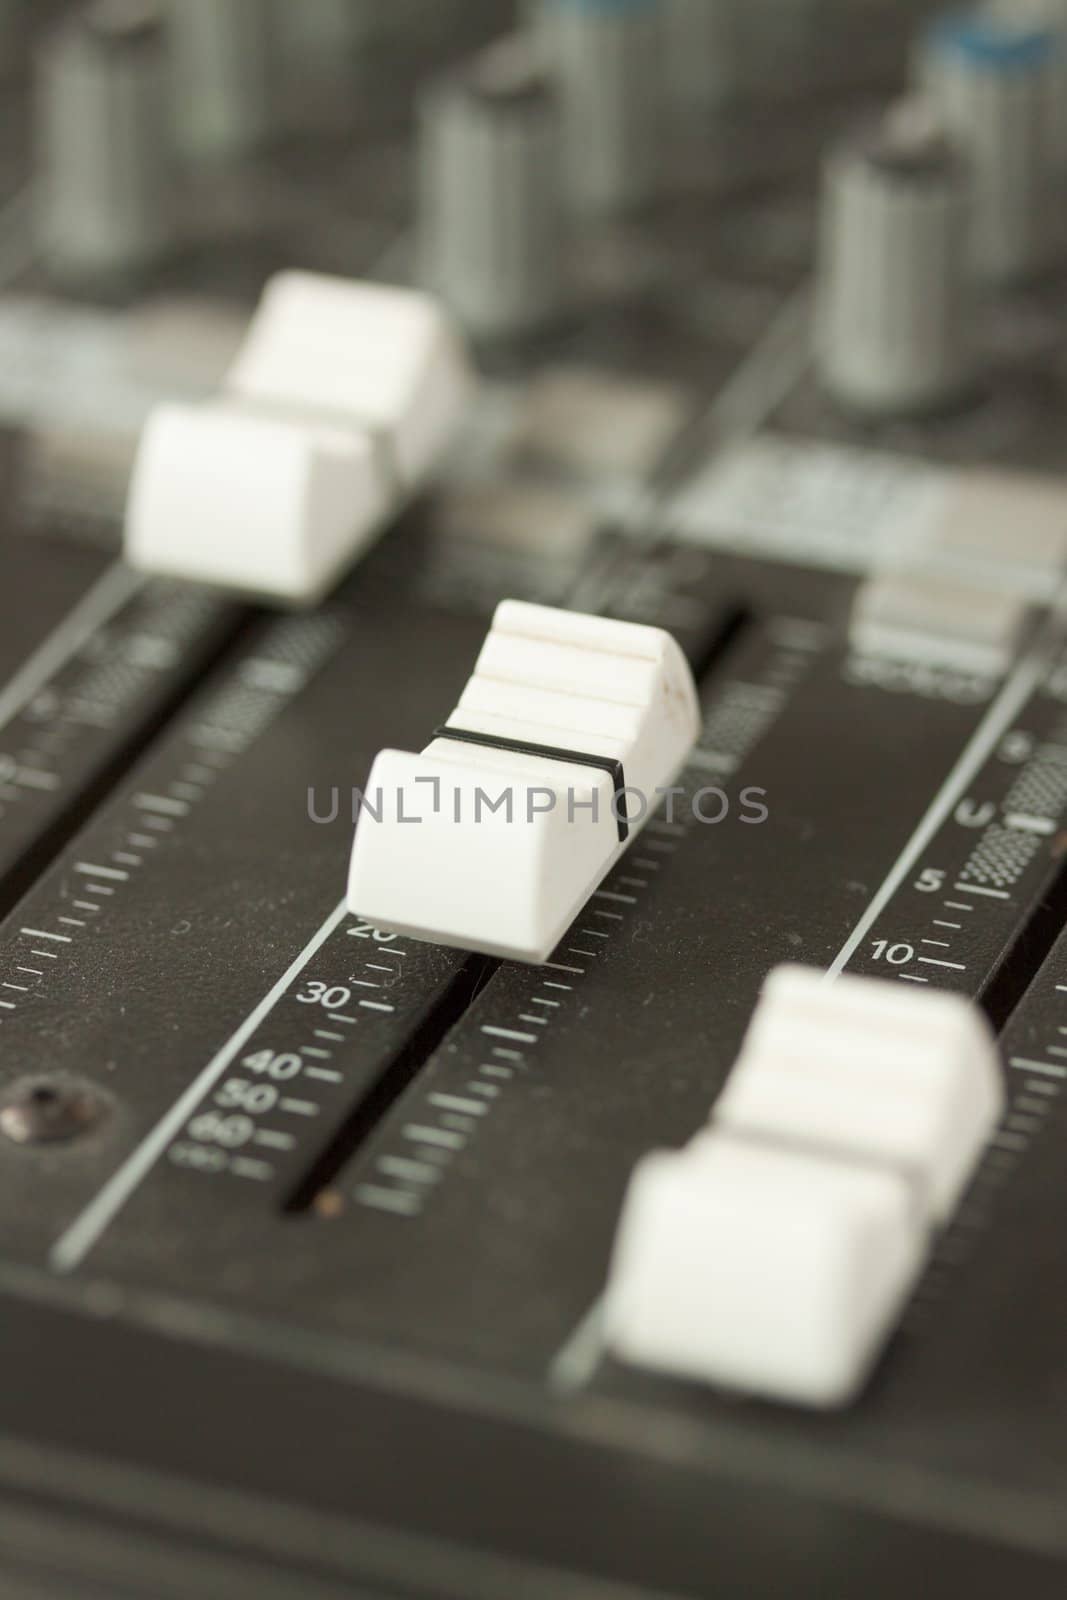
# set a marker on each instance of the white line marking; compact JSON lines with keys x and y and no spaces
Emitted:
{"x":982,"y":743}
{"x":405,"y":1167}
{"x":1026,"y":1064}
{"x":74,"y":1244}
{"x":423,"y":1135}
{"x":110,"y":592}
{"x":509,"y":1033}
{"x":89,"y":871}
{"x":161,"y":804}
{"x":42,"y":933}
{"x":376,"y":1005}
{"x":276,"y":1141}
{"x":34,"y":778}
{"x":246,"y":1167}
{"x":1027,"y":824}
{"x":974,"y":888}
{"x":398,"y":1200}
{"x":934,"y":961}
{"x":456,"y":1102}
{"x":711,"y":761}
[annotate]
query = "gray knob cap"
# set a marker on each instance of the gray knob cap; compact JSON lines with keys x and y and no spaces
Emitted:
{"x":223,"y":55}
{"x":489,"y":202}
{"x":994,"y":82}
{"x":607,"y":59}
{"x":893,"y":317}
{"x":103,"y":170}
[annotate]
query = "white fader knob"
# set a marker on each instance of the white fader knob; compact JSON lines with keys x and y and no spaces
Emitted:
{"x":761,"y":1268}
{"x":775,"y":1252}
{"x":335,"y":411}
{"x":911,"y":614}
{"x":893,"y":312}
{"x":870,"y":1070}
{"x":495,"y":836}
{"x":388,"y":360}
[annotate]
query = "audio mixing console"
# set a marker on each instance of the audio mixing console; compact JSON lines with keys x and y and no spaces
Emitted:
{"x":480,"y":1210}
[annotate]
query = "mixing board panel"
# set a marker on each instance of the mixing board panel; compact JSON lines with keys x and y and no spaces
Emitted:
{"x":309,"y":1225}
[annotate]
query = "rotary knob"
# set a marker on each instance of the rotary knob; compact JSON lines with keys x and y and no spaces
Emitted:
{"x":223,"y":54}
{"x":892,"y":314}
{"x":103,"y":187}
{"x":994,"y":81}
{"x":490,"y":191}
{"x":607,"y":58}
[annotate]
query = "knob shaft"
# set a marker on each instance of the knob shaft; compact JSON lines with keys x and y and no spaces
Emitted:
{"x":103,"y":190}
{"x":490,"y":191}
{"x":893,"y":314}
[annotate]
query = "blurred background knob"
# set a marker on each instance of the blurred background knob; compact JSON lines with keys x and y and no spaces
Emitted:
{"x":490,"y":181}
{"x":893,"y":314}
{"x":103,"y":188}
